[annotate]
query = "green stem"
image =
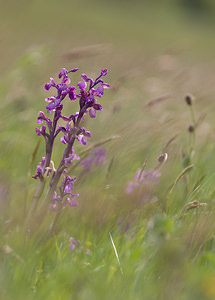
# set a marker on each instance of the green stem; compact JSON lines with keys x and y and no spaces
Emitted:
{"x":41,"y":184}
{"x":56,"y":177}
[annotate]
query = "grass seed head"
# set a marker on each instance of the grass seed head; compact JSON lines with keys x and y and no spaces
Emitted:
{"x":189,"y":99}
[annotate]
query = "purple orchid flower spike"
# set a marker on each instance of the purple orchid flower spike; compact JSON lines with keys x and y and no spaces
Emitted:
{"x":87,"y":92}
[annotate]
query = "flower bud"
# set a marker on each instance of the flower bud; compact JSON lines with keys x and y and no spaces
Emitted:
{"x":191,"y":128}
{"x":162,"y":158}
{"x":189,"y":99}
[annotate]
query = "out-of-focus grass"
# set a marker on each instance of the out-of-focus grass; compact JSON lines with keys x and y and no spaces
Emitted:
{"x":150,"y":50}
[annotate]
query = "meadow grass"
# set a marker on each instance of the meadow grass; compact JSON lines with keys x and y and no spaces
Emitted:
{"x":156,"y":243}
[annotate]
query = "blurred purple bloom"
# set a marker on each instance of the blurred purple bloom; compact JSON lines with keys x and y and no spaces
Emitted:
{"x":97,"y":156}
{"x":73,"y":243}
{"x":148,"y":176}
{"x":72,"y":201}
{"x":145,"y":177}
{"x":69,"y":160}
{"x":68,"y":184}
{"x":128,"y":225}
{"x":131,"y":186}
{"x":87,"y":251}
{"x":100,"y":155}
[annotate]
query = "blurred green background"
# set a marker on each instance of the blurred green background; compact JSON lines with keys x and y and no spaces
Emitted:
{"x":156,"y":52}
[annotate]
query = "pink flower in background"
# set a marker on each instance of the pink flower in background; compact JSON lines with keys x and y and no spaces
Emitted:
{"x":73,"y":244}
{"x":145,"y":177}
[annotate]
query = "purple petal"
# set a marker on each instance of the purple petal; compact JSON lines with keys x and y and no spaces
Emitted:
{"x":66,"y":81}
{"x":87,"y":163}
{"x":72,"y":94}
{"x":104,"y":72}
{"x":50,"y":99}
{"x":73,"y":202}
{"x":85,"y":78}
{"x":57,"y":102}
{"x":92,"y":113}
{"x":137,"y":176}
{"x":41,"y":117}
{"x":47,"y":86}
{"x":50,"y":106}
{"x":82,"y":139}
{"x":72,"y":240}
{"x":71,"y":247}
{"x":52,"y":82}
{"x":43,"y":130}
{"x":38,"y":132}
{"x":62,"y":73}
{"x":61,"y":128}
{"x":105,"y":85}
{"x":100,"y":90}
{"x":73,"y":70}
{"x":87,"y":134}
{"x":62,"y":87}
{"x":131,"y":186}
{"x":97,"y":106}
{"x":82,"y":85}
{"x":64,"y":139}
